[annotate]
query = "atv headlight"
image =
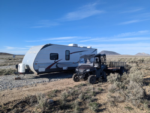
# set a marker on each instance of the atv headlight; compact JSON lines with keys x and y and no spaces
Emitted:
{"x":88,"y":70}
{"x":76,"y":69}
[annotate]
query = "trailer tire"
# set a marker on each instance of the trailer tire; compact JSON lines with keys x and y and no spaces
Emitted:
{"x":75,"y":78}
{"x":92,"y":79}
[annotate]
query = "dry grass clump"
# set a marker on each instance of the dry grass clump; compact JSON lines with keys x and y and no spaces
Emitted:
{"x":76,"y":106}
{"x":41,"y":102}
{"x":94,"y":106}
{"x":7,"y":71}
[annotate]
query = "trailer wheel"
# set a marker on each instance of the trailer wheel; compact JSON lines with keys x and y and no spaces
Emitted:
{"x":91,"y":79}
{"x":75,"y":78}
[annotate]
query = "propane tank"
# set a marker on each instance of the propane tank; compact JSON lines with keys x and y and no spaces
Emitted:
{"x":21,"y":68}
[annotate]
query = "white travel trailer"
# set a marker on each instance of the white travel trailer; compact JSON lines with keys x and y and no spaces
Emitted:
{"x":53,"y":57}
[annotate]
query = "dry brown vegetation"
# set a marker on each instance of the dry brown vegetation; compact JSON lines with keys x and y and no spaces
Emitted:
{"x":7,"y":71}
{"x":7,"y":60}
{"x":127,"y":93}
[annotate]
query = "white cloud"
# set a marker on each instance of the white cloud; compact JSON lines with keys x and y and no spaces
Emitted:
{"x":14,"y":50}
{"x":60,"y":38}
{"x":83,"y":12}
{"x":133,"y":10}
{"x":108,"y":39}
{"x":133,"y":33}
{"x":11,"y":48}
{"x":132,"y":48}
{"x":57,"y":38}
{"x":45,"y":23}
{"x":8,"y":47}
{"x":129,"y":22}
{"x":121,"y":37}
{"x":29,"y":46}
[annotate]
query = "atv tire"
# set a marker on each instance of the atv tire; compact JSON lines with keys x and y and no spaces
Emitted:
{"x":75,"y":78}
{"x":92,"y":79}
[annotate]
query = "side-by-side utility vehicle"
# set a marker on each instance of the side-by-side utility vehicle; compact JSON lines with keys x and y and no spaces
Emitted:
{"x":95,"y":68}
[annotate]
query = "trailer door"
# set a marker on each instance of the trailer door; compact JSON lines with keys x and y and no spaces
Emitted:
{"x":67,"y":55}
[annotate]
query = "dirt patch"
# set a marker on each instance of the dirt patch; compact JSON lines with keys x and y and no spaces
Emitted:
{"x":10,"y":95}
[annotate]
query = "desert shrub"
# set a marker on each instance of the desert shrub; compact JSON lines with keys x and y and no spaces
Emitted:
{"x":41,"y":101}
{"x":136,"y":77}
{"x":52,"y":93}
{"x":134,"y":69}
{"x":129,"y":108}
{"x":113,"y":78}
{"x":128,"y":87}
{"x":112,"y":88}
{"x":76,"y":109}
{"x":134,"y":91}
{"x":81,"y":96}
{"x":76,"y":106}
{"x":64,"y":95}
{"x":7,"y":71}
{"x":94,"y":106}
{"x":124,"y":76}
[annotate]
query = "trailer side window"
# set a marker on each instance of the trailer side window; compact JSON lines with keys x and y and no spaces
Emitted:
{"x":54,"y":56}
{"x":67,"y":53}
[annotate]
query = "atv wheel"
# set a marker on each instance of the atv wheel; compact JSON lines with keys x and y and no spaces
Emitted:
{"x":75,"y":78}
{"x":91,"y":79}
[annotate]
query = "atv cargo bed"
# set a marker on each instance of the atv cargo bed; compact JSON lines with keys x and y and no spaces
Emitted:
{"x":115,"y":66}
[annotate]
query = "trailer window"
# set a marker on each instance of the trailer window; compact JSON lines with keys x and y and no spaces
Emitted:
{"x":67,"y":53}
{"x":54,"y":56}
{"x":82,"y":60}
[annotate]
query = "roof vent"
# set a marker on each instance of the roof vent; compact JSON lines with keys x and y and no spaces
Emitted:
{"x":74,"y":45}
{"x":83,"y":46}
{"x":89,"y":47}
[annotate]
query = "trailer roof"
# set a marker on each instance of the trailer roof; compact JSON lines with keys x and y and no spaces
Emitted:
{"x":64,"y":45}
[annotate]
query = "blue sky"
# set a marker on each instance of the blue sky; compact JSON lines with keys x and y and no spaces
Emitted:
{"x":122,"y":26}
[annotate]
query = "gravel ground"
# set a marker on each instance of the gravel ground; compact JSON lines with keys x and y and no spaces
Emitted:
{"x":1,"y":60}
{"x":9,"y":82}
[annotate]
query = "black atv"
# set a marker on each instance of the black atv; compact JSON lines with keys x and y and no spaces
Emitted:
{"x":92,"y":68}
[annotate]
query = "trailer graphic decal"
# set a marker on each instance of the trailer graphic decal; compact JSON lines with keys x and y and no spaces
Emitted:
{"x":94,"y":50}
{"x":53,"y":64}
{"x":78,"y":51}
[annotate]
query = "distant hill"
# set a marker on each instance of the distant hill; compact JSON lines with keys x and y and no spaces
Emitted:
{"x":2,"y":53}
{"x":142,"y":54}
{"x":109,"y":52}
